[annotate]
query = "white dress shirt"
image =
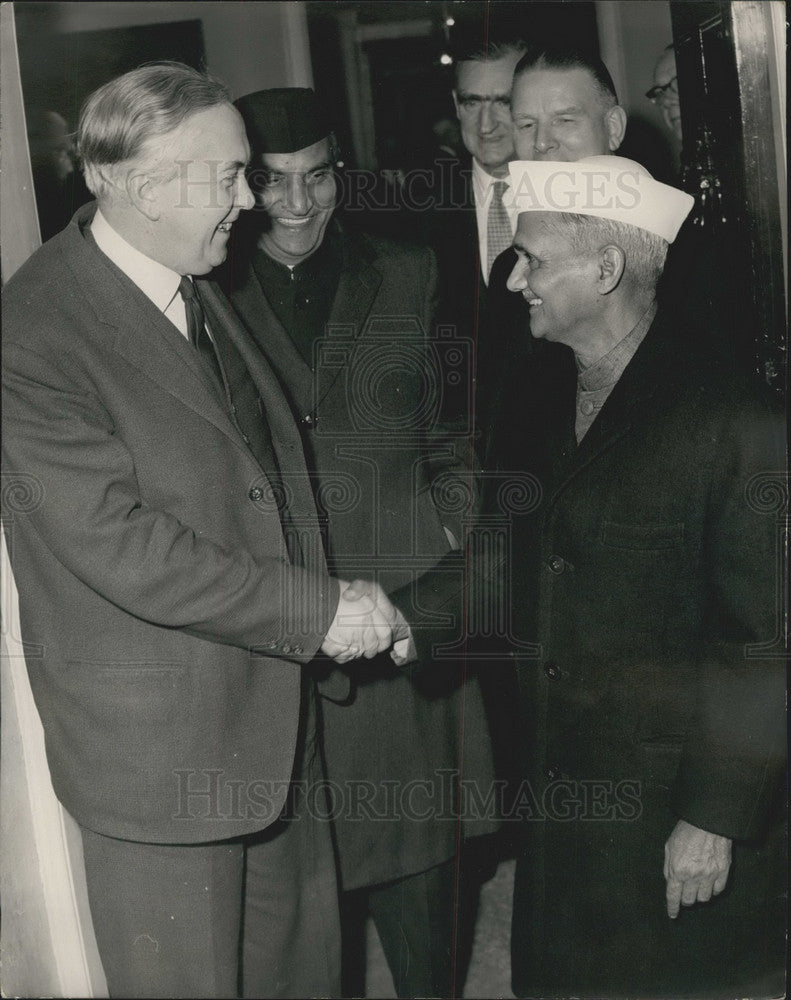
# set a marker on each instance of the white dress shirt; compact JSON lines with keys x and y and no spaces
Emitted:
{"x":482,"y":190}
{"x":158,"y":282}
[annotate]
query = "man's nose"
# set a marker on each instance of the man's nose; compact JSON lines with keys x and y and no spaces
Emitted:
{"x":244,"y":196}
{"x":545,"y":140}
{"x":488,"y":119}
{"x":297,"y":200}
{"x":517,"y":279}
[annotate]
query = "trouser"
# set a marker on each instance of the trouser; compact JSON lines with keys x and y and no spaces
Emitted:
{"x":252,"y":917}
{"x":415,"y":918}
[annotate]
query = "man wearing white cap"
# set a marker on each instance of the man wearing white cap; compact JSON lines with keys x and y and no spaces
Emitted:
{"x":653,"y":718}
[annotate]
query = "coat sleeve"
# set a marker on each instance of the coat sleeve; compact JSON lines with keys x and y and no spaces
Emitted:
{"x":730,"y":768}
{"x":454,"y":470}
{"x":146,"y":561}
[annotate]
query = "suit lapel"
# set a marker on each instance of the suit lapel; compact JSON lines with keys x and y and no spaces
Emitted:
{"x":285,"y":434}
{"x":142,"y":335}
{"x":357,"y":289}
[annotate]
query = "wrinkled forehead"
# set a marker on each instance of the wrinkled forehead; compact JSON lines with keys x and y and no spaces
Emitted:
{"x":665,"y":69}
{"x":554,"y":88}
{"x":300,"y":162}
{"x":489,"y":78}
{"x":537,"y":230}
{"x":212,"y":135}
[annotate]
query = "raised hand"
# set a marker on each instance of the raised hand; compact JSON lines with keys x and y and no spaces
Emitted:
{"x":363,"y":623}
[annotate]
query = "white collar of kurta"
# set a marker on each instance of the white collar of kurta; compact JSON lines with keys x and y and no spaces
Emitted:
{"x":158,"y":282}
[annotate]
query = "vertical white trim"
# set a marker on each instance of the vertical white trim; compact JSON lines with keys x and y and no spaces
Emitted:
{"x":18,"y":212}
{"x":45,"y":908}
{"x":776,"y":28}
{"x":294,"y":22}
{"x":611,"y":42}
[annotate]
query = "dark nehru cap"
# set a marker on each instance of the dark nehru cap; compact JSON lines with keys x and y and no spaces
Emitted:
{"x":283,"y":119}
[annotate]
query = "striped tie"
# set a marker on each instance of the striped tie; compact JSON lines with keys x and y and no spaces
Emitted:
{"x":498,"y":227}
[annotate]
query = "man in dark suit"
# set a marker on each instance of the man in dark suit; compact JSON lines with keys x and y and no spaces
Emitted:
{"x":468,"y":224}
{"x":653,"y":720}
{"x":345,"y":320}
{"x":171,"y":580}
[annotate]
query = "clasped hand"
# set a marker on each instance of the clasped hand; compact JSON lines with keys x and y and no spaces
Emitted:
{"x":365,"y":624}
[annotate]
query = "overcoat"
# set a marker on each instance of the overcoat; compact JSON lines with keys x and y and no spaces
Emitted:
{"x":166,"y":626}
{"x":389,"y":479}
{"x":653,"y":564}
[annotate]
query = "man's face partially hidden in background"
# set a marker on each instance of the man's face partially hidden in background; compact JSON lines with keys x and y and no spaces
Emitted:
{"x":561,"y":114}
{"x":483,"y":99}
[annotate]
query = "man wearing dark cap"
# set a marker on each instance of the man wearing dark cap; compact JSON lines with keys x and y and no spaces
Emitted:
{"x":344,"y":320}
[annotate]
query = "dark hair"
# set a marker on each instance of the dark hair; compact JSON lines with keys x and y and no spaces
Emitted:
{"x":471,"y":49}
{"x":129,"y":115}
{"x":566,"y":57}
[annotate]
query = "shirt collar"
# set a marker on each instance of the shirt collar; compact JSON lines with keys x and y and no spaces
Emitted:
{"x":482,"y":181}
{"x":158,"y":282}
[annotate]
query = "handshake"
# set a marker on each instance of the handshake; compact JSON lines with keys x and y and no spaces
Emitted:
{"x":366,"y":623}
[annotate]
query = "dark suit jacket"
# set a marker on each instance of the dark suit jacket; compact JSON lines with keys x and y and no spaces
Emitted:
{"x":388,"y":477}
{"x":166,"y":625}
{"x":489,"y":317}
{"x":658,"y":689}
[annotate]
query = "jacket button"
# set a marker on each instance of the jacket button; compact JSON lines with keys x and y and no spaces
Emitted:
{"x":557,"y":564}
{"x":552,"y":670}
{"x":307,"y":420}
{"x":246,"y":439}
{"x":256,"y":494}
{"x":551,"y":772}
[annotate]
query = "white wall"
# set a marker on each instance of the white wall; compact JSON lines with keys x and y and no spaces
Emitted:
{"x":248,"y":45}
{"x":631,"y":38}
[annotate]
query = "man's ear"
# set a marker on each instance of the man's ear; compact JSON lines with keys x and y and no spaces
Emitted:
{"x":615,"y":120}
{"x":612,"y":263}
{"x":142,"y":194}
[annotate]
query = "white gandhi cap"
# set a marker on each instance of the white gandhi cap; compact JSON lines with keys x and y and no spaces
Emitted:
{"x":608,"y":187}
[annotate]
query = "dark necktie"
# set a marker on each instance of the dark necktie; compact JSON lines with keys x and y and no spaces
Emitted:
{"x":196,"y":326}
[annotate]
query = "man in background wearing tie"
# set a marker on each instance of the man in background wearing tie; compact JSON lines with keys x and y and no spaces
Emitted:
{"x":468,"y":225}
{"x":171,"y":575}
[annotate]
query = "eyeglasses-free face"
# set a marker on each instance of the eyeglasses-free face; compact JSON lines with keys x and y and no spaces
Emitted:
{"x":664,"y":92}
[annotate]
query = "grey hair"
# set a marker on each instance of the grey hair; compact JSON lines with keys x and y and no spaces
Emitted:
{"x":645,"y":252}
{"x":128,"y":118}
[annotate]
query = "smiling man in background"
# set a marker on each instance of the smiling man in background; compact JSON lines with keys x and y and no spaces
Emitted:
{"x":345,"y":319}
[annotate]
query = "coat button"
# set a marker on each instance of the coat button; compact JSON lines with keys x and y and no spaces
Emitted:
{"x":552,"y":670}
{"x":557,"y":564}
{"x":307,"y":420}
{"x":246,"y":439}
{"x":551,"y":772}
{"x":256,"y":494}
